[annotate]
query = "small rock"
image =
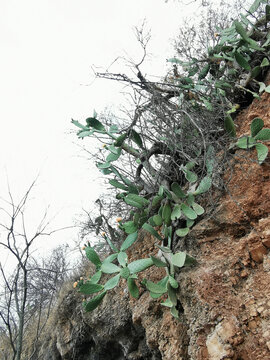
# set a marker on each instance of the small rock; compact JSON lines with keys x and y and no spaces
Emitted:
{"x":250,"y":302}
{"x":266,"y":264}
{"x":266,"y":313}
{"x":266,"y":242}
{"x":234,"y":280}
{"x":244,"y":273}
{"x":238,"y":340}
{"x":253,"y":312}
{"x":245,"y":262}
{"x":252,"y":324}
{"x":257,"y":252}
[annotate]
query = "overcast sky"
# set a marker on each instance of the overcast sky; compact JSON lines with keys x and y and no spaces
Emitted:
{"x":47,"y":50}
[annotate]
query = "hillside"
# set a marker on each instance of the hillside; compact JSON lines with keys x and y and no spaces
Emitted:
{"x":225,"y":298}
{"x":177,"y":261}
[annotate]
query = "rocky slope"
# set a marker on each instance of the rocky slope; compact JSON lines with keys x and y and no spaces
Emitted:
{"x":225,"y":298}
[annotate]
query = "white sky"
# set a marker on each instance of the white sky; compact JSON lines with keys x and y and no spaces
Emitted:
{"x":47,"y":50}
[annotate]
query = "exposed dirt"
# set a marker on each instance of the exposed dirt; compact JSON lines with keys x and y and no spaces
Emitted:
{"x":226,"y":298}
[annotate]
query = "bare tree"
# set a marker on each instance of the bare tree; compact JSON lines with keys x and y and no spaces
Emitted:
{"x":17,"y":281}
{"x":47,"y":275}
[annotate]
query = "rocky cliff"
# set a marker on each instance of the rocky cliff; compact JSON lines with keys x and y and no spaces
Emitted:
{"x":225,"y":298}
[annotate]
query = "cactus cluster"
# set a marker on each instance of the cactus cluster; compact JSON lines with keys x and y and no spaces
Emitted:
{"x":117,"y":263}
{"x":170,"y":211}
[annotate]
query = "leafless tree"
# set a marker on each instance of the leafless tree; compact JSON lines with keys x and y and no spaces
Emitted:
{"x":20,"y":289}
{"x":163,"y":120}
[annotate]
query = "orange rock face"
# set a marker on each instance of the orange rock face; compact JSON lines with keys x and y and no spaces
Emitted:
{"x":226,"y":297}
